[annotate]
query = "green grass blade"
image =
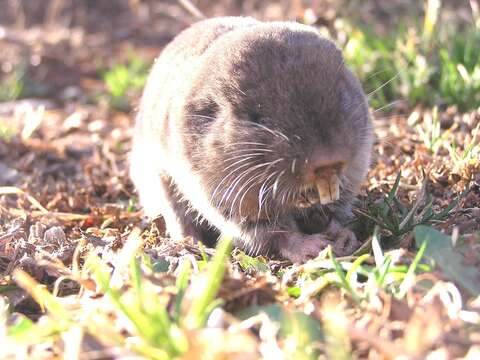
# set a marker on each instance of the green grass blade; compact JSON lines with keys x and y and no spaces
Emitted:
{"x":393,"y":191}
{"x":208,"y":283}
{"x":377,"y":249}
{"x":342,"y":277}
{"x":383,"y":271}
{"x":181,"y":284}
{"x":355,"y":265}
{"x":410,"y":276}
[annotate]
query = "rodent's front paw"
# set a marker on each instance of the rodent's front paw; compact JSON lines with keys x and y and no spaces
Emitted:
{"x":299,"y":248}
{"x":344,"y":242}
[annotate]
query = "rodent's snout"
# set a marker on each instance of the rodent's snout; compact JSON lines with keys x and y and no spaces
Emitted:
{"x":322,"y":175}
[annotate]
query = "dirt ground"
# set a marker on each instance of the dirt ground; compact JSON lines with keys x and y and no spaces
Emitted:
{"x":64,"y":171}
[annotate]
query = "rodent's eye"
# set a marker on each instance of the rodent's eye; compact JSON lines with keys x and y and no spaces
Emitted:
{"x":209,"y":109}
{"x":256,"y":118}
{"x":205,"y":112}
{"x":201,"y":115}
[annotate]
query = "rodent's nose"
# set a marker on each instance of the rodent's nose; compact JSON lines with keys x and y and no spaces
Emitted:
{"x":327,"y":171}
{"x":323,"y":165}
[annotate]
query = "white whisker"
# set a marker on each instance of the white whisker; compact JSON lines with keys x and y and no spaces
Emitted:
{"x":276,"y":133}
{"x":275,"y":184}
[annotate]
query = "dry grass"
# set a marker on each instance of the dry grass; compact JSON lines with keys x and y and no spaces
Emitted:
{"x":82,"y":275}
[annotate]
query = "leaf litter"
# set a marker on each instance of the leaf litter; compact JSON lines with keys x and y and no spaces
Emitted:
{"x":83,"y":274}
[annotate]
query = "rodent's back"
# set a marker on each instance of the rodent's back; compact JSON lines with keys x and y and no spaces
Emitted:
{"x":193,"y":41}
{"x":173,"y":70}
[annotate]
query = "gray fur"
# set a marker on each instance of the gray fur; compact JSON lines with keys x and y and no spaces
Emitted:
{"x":235,"y":114}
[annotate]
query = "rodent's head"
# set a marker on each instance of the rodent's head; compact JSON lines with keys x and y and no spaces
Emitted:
{"x":275,"y":122}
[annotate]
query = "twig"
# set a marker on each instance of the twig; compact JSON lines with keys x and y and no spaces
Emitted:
{"x":11,"y":190}
{"x":64,"y":216}
{"x":192,"y":9}
{"x":10,"y":234}
{"x":387,"y":349}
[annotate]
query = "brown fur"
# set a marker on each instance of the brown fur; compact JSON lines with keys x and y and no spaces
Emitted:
{"x":236,"y":117}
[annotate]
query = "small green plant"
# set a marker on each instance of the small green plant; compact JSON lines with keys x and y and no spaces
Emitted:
{"x":156,"y":330}
{"x":7,"y":130}
{"x":430,"y":131}
{"x":446,"y":256}
{"x":470,"y":153}
{"x":13,"y":85}
{"x":360,"y":278}
{"x":124,"y":79}
{"x":397,"y":218}
{"x":251,"y":264}
{"x":390,"y":67}
{"x":459,"y":72}
{"x":430,"y":19}
{"x":433,"y":65}
{"x":300,"y":333}
{"x":132,"y":205}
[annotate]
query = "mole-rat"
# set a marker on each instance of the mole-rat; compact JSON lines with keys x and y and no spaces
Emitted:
{"x":256,"y":130}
